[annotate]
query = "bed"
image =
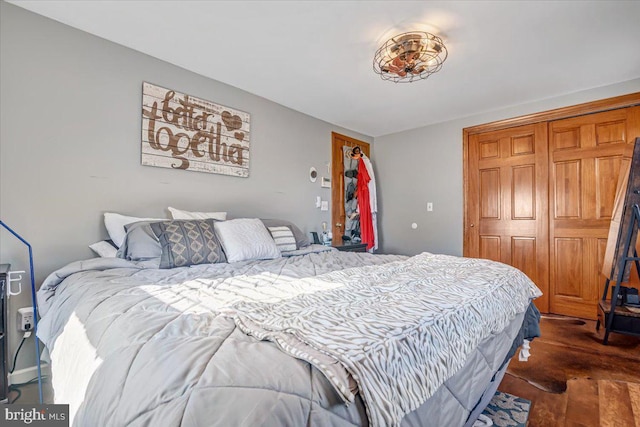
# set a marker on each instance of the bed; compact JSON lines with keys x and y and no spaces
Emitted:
{"x":318,"y":337}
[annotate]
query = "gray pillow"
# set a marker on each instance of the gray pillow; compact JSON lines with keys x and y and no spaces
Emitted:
{"x":140,"y":243}
{"x":188,"y":242}
{"x":302,"y":241}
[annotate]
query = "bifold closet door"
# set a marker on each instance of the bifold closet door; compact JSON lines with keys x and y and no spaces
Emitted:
{"x":585,"y":156}
{"x":507,"y":201}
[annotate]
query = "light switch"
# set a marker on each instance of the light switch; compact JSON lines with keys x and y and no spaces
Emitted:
{"x":429,"y":207}
{"x":317,"y":201}
{"x":324,"y":206}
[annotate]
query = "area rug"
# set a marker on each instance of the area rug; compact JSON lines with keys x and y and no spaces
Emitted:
{"x":505,"y":410}
{"x":571,"y":348}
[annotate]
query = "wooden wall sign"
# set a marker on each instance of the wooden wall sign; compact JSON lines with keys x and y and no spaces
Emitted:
{"x":183,"y":132}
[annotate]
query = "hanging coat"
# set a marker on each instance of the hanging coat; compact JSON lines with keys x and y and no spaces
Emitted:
{"x":364,"y":205}
{"x":373,"y":200}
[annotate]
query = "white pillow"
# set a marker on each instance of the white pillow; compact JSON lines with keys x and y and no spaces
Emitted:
{"x":179,"y":214}
{"x":104,"y":249}
{"x":115,"y":225}
{"x":246,"y":239}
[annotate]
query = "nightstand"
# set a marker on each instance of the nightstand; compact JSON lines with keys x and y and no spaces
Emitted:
{"x":352,"y":247}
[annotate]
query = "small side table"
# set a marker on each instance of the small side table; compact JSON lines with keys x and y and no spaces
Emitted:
{"x":352,"y":247}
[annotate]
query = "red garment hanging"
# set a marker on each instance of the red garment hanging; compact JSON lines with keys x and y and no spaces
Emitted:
{"x":364,"y":205}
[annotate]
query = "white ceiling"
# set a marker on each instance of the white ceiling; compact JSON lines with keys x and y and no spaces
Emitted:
{"x":316,"y":57}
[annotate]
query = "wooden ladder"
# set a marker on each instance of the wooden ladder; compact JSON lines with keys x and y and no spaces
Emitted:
{"x":620,"y":318}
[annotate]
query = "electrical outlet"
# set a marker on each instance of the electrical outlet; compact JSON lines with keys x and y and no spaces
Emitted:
{"x":25,"y":319}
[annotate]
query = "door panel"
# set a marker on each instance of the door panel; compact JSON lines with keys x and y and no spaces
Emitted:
{"x":523,"y":256}
{"x":523,"y":189}
{"x":522,"y":145}
{"x":489,"y":150}
{"x":566,"y":138}
{"x":567,"y":185}
{"x":507,"y":201}
{"x":490,"y":194}
{"x":607,"y":172}
{"x":611,"y":132}
{"x":568,"y":269}
{"x":490,"y":248}
{"x":585,"y":157}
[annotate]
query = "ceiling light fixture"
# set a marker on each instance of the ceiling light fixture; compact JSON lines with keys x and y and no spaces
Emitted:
{"x":410,"y":56}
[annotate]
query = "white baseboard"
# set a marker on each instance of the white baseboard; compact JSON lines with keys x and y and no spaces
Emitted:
{"x":26,"y":374}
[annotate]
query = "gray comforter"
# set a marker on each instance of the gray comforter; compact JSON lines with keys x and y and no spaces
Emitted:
{"x":135,"y":345}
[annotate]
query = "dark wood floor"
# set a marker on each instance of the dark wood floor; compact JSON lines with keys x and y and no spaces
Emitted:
{"x":602,"y":382}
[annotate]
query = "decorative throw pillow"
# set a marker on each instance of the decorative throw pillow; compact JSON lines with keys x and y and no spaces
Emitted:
{"x":115,"y":223}
{"x":283,"y":236}
{"x":180,"y":214}
{"x":246,"y":239}
{"x":188,"y":242}
{"x":302,"y":240}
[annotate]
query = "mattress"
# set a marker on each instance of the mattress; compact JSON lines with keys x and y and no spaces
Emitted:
{"x":132,"y":344}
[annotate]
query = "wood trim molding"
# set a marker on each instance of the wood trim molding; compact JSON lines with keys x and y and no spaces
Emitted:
{"x":598,"y":106}
{"x":465,"y":189}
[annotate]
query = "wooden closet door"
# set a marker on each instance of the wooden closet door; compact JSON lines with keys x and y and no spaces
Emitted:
{"x":507,"y":201}
{"x":585,"y":156}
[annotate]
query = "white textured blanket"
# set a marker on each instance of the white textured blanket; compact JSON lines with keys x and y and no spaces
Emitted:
{"x":399,"y":330}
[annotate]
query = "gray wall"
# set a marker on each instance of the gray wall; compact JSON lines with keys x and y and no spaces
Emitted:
{"x":70,"y":147}
{"x":425,"y":165}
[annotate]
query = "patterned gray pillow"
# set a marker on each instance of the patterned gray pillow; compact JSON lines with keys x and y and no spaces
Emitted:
{"x":283,"y":236}
{"x":188,"y":242}
{"x":302,"y":241}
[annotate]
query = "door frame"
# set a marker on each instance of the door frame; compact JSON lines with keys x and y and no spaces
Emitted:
{"x":597,"y":106}
{"x":337,"y":181}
